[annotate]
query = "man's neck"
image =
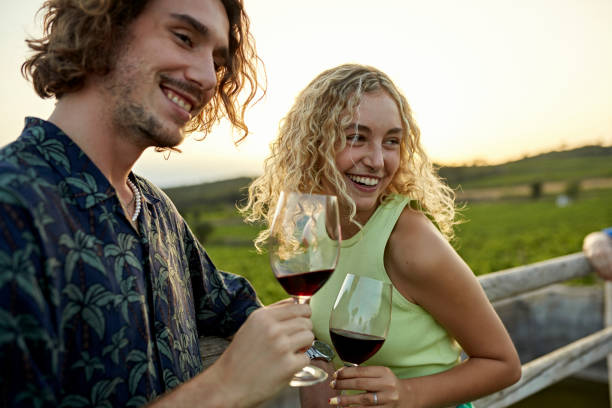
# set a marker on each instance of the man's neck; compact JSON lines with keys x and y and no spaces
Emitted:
{"x":86,"y":120}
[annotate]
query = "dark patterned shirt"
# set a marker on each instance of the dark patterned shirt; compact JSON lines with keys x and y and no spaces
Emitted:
{"x":93,"y":312}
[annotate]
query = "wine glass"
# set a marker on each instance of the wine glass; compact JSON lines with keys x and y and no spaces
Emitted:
{"x":360,"y":317}
{"x":304,"y":246}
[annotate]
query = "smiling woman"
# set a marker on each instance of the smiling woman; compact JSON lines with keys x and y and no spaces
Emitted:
{"x":350,"y":121}
{"x":371,"y":156}
{"x":351,"y":133}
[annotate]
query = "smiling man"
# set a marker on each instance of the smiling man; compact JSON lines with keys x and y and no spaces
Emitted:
{"x":104,"y":290}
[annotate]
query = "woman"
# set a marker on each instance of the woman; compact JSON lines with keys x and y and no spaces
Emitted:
{"x":351,"y":133}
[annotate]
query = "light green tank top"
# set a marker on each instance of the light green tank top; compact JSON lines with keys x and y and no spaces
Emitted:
{"x":416,"y":344}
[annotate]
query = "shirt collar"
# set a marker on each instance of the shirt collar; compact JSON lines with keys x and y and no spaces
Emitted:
{"x":82,"y":180}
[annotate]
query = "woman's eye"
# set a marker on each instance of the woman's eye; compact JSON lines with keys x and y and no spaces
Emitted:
{"x":393,"y":141}
{"x":185,"y":39}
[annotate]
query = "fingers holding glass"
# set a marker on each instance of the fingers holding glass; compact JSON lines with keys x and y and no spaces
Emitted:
{"x":363,"y":399}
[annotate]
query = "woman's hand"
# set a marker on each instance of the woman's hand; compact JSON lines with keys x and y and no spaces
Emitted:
{"x":382,"y":388}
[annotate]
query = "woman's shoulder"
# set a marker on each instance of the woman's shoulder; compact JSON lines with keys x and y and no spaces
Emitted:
{"x":415,"y":244}
{"x":414,"y":227}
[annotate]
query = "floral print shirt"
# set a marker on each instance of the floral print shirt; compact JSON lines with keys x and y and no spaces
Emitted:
{"x":92,"y":311}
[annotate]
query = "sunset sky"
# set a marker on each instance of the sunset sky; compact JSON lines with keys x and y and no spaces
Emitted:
{"x":489,"y":80}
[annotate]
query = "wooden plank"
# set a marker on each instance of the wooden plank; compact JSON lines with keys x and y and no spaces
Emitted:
{"x":511,"y":282}
{"x":211,"y":348}
{"x":552,"y":367}
{"x":608,"y":323}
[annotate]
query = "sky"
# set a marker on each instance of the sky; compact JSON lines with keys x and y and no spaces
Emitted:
{"x":488,"y":80}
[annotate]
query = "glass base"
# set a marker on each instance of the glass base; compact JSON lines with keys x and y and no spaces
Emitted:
{"x":309,"y":375}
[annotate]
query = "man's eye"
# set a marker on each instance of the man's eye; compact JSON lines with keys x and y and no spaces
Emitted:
{"x":184,"y":39}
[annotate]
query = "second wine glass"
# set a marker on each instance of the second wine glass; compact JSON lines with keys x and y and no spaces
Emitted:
{"x":360,"y":318}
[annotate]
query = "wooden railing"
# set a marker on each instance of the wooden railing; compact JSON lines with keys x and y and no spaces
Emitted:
{"x":540,"y":372}
{"x":565,"y":361}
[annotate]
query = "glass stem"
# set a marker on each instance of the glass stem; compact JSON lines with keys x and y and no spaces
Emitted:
{"x":301,"y":299}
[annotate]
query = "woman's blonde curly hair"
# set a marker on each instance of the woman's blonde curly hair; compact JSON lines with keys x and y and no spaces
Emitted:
{"x":312,"y":133}
{"x":82,"y":37}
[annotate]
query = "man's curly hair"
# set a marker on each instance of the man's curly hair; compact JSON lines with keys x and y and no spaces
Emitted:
{"x":82,"y":37}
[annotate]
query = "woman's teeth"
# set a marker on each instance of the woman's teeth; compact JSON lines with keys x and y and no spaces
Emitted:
{"x":368,"y":181}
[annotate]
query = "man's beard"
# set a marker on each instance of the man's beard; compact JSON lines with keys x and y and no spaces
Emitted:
{"x":143,"y":126}
{"x":130,"y":113}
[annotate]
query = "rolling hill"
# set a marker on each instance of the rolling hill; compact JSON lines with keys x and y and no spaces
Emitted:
{"x":583,"y":163}
{"x":569,"y":165}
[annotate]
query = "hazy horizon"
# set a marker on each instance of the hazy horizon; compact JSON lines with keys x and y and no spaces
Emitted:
{"x":476,"y":162}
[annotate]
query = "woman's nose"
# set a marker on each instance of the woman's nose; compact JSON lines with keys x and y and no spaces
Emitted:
{"x":375,"y":158}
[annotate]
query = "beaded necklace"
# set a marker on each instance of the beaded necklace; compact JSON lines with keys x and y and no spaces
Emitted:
{"x":136,"y":198}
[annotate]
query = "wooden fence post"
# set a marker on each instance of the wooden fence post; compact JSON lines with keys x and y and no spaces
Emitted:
{"x":608,"y":323}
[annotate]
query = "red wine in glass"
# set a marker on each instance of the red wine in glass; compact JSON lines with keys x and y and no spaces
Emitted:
{"x":304,"y":246}
{"x":304,"y":284}
{"x":355,"y":347}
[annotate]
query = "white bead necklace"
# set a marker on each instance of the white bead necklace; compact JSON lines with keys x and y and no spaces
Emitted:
{"x":136,"y":198}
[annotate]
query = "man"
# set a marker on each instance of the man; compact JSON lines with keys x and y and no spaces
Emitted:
{"x":597,"y":246}
{"x":104,"y":290}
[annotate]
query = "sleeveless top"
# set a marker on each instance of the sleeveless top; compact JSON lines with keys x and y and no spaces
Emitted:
{"x":416,"y":344}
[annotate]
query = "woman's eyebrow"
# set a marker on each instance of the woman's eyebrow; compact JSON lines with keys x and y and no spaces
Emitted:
{"x":357,"y":127}
{"x":363,"y":128}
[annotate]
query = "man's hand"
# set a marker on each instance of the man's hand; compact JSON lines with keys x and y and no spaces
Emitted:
{"x":261,"y":359}
{"x":597,"y":247}
{"x":265,"y":353}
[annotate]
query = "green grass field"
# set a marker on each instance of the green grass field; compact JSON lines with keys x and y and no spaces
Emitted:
{"x":504,"y":234}
{"x":496,"y":235}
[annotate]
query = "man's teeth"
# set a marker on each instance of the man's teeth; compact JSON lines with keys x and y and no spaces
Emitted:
{"x":178,"y":100}
{"x":368,"y":181}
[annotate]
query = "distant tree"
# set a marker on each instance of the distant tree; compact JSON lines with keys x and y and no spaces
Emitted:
{"x":536,"y":190}
{"x":479,"y":162}
{"x":572,"y":189}
{"x":203,"y":229}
